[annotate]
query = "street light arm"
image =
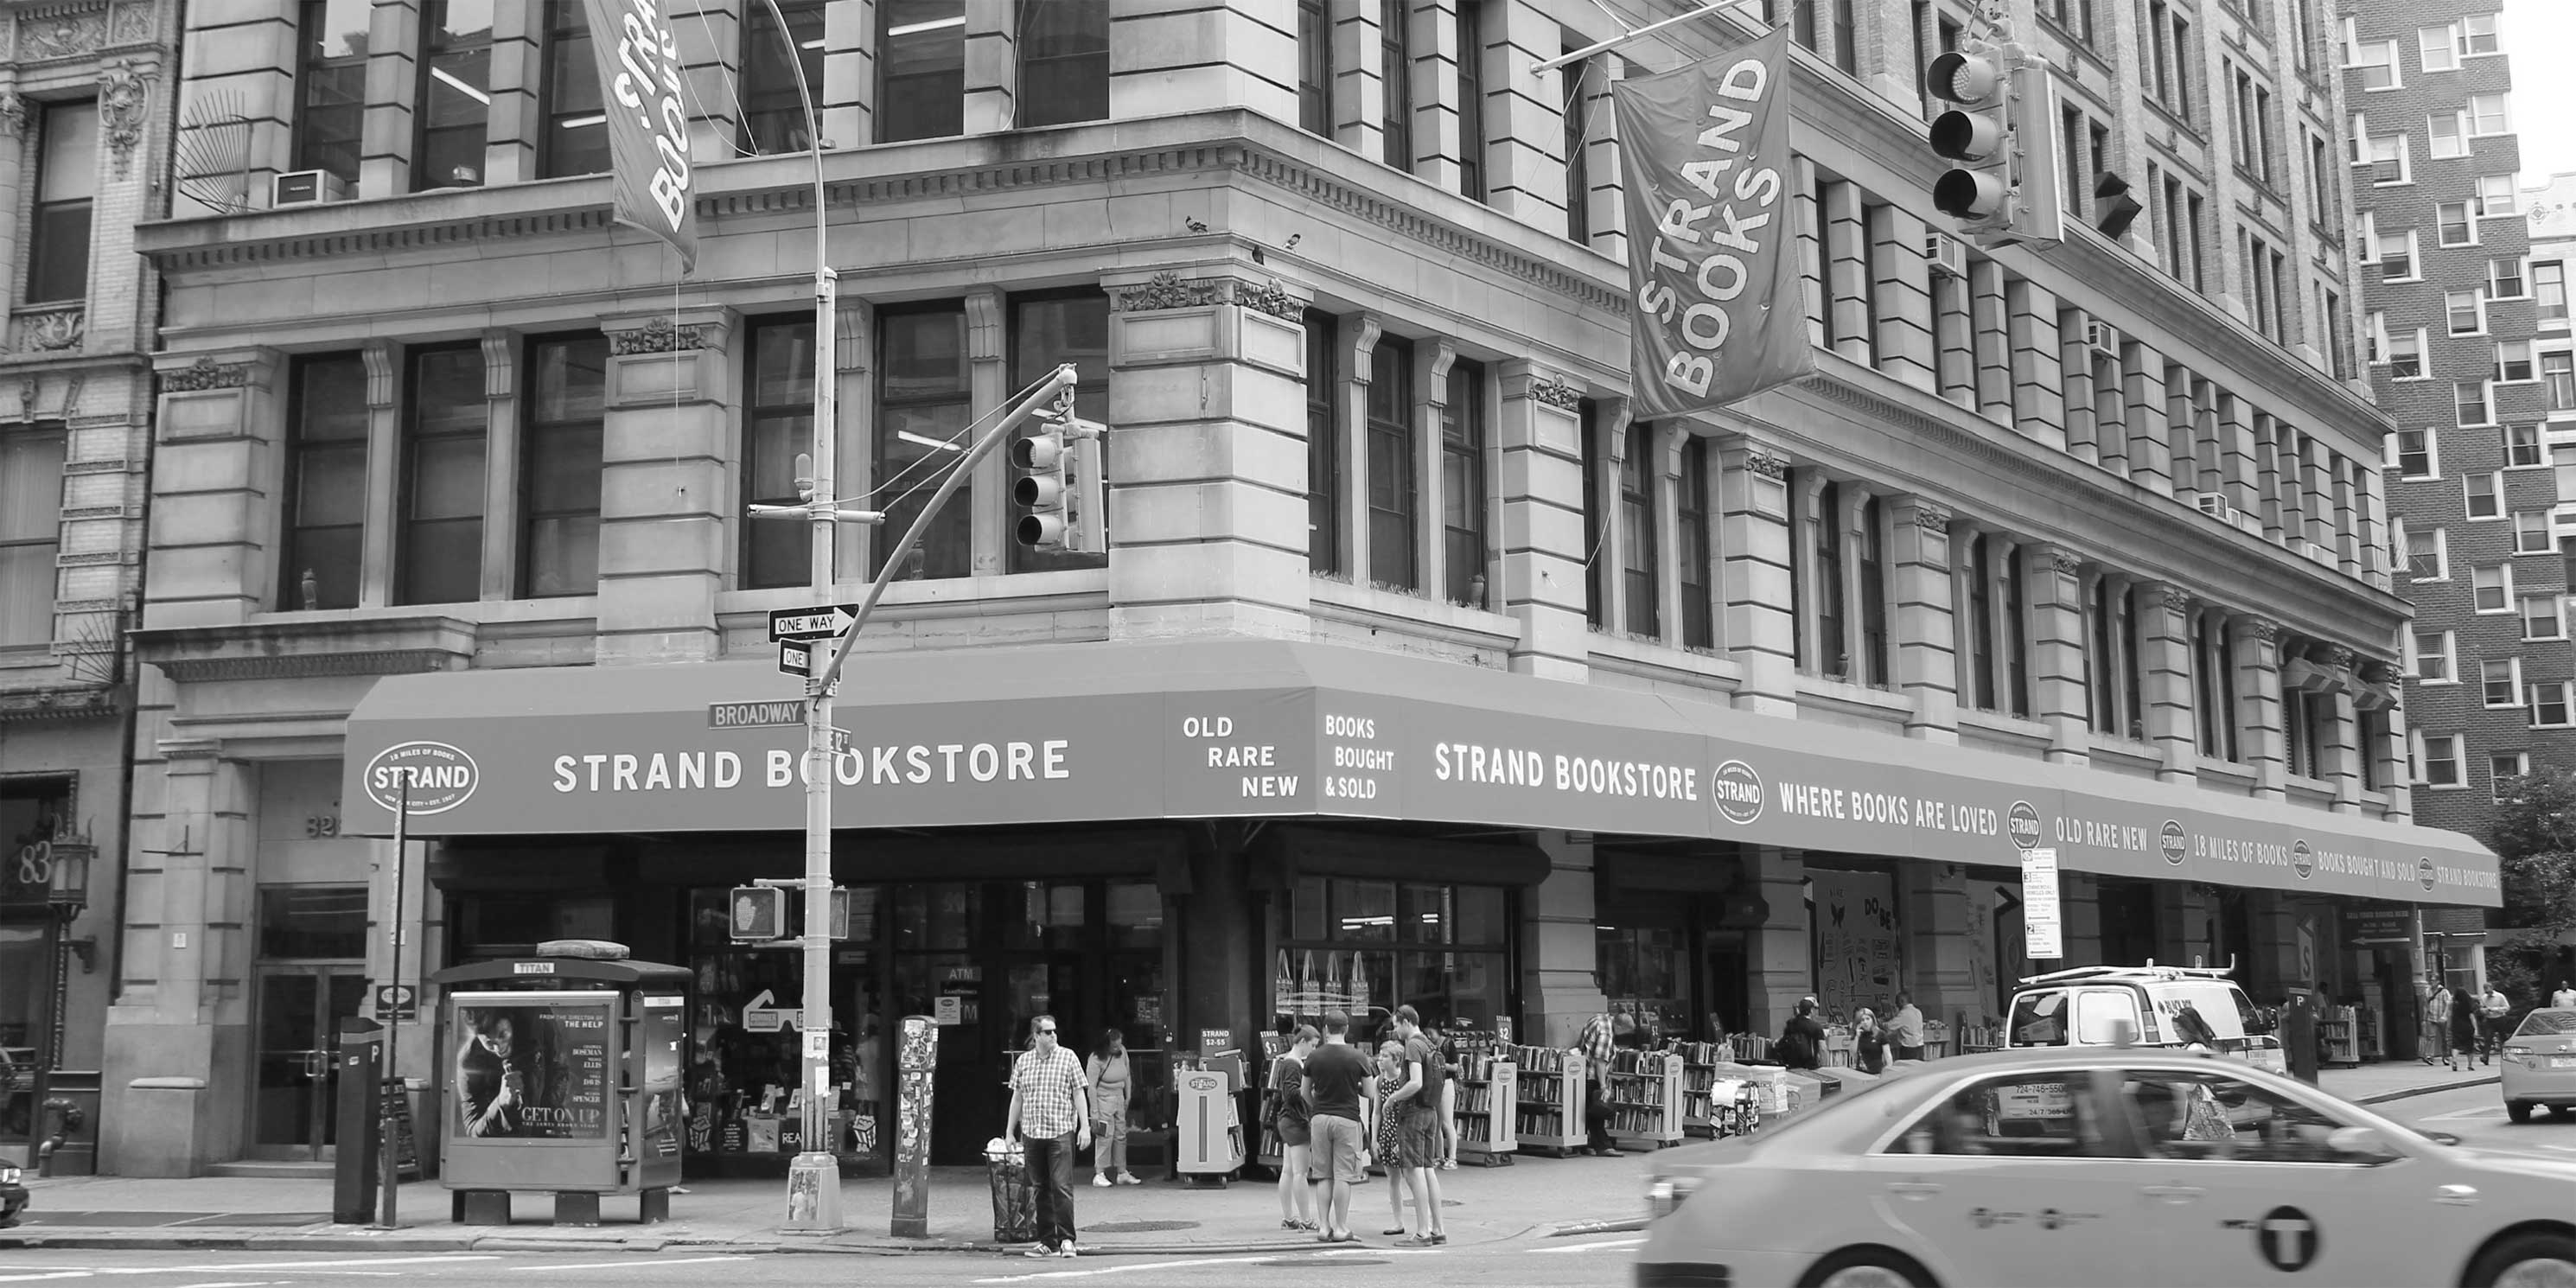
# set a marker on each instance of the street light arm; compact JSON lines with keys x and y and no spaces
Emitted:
{"x":1048,"y":391}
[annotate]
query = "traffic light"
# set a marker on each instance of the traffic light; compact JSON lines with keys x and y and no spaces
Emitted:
{"x":758,"y":914}
{"x":2001,"y":135}
{"x":1060,"y":486}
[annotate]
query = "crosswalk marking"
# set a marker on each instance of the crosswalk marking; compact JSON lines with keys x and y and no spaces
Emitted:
{"x":631,"y":1262}
{"x":1601,"y":1245}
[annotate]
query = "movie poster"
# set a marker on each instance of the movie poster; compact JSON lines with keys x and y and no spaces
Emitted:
{"x":662,"y":1032}
{"x":534,"y":1066}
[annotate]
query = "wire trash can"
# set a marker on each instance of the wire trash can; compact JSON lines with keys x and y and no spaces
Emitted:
{"x":1015,"y":1195}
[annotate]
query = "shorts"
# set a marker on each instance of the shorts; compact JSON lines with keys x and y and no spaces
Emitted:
{"x":1336,"y":1149}
{"x":1417,"y":1141}
{"x":1294,"y":1131}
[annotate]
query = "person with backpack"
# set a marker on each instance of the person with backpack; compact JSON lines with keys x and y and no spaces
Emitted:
{"x":1802,"y":1039}
{"x":1416,"y":1105}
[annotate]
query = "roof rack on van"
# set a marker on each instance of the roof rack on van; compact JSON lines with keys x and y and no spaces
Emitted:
{"x":2149,"y":971}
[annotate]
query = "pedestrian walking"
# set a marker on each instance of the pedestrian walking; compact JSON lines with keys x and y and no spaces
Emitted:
{"x":1905,"y":1029}
{"x":1112,"y":1084}
{"x":1051,"y":1116}
{"x":1287,"y":1118}
{"x":1417,"y":1117}
{"x":1334,"y":1077}
{"x":2435,"y":1040}
{"x":2464,"y":1031}
{"x":2495,"y":1022}
{"x":1449,"y":1071}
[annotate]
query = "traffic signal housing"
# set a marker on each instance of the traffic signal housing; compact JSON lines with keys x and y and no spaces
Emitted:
{"x":1061,"y":488}
{"x":756,"y":914}
{"x":2000,"y":138}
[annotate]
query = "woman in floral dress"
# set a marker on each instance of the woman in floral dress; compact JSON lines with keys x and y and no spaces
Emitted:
{"x":1390,"y":1079}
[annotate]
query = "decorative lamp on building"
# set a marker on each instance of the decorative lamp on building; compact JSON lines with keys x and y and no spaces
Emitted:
{"x":69,"y":857}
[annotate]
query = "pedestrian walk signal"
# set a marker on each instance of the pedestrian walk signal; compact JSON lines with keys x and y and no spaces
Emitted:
{"x":759,"y":913}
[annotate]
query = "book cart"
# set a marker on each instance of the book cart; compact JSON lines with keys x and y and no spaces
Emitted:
{"x":1717,"y":1101}
{"x":1488,"y":1103}
{"x":1547,"y":1100}
{"x":1645,"y":1099}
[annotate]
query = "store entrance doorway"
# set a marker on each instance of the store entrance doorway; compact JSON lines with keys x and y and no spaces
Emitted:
{"x":299,"y":1009}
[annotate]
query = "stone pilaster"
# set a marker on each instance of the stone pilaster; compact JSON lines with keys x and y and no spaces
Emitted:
{"x":2164,"y":681}
{"x":2347,"y":515}
{"x":1540,"y":436}
{"x":1954,"y":339}
{"x":393,"y":82}
{"x":1612,"y":556}
{"x":1847,"y":272}
{"x":518,"y":74}
{"x":2236,"y":452}
{"x":2142,"y":384}
{"x":376,"y":577}
{"x":218,"y":467}
{"x":2339,"y":743}
{"x":1559,"y":978}
{"x":988,"y":375}
{"x":1783,"y":965}
{"x":1359,"y":78}
{"x":712,"y":70}
{"x":501,"y":464}
{"x":2379,"y":557}
{"x":1808,"y":219}
{"x":854,"y":356}
{"x":2391,"y":753}
{"x":663,"y":499}
{"x":1437,"y":141}
{"x":848,"y":94}
{"x":2276,"y":485}
{"x":2317,"y":482}
{"x":2038,"y":370}
{"x":2053,"y":584}
{"x":1991,"y":335}
{"x":1815,"y":653}
{"x":2075,"y":358}
{"x":1852,"y":523}
{"x":1209,"y":498}
{"x":1925,"y":624}
{"x":1665,"y":465}
{"x":1903,"y":291}
{"x":1605,"y":210}
{"x":2254,"y":651}
{"x":992,"y":70}
{"x":1753,"y":544}
{"x":1359,"y":337}
{"x":1431,"y":362}
{"x":1523,"y":114}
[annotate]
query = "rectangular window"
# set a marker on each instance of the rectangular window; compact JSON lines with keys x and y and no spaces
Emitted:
{"x":2433,"y":655}
{"x":331,"y":89}
{"x":576,"y":132}
{"x":1462,"y":485}
{"x":2549,"y":705}
{"x":2406,"y":356}
{"x":2549,"y":290}
{"x":2155,"y":52}
{"x":1394,"y":495}
{"x":1064,"y":62}
{"x":924,"y":403}
{"x":2199,"y":238}
{"x":441,"y":541}
{"x":2496,"y":199}
{"x":2540,"y":618}
{"x":2426,"y":557}
{"x":1395,"y":60}
{"x":1872,"y":556}
{"x":2442,"y":760}
{"x":773,"y":116}
{"x":31,"y":518}
{"x":560,"y":470}
{"x":2478,"y":35}
{"x":2186,"y":56}
{"x":1323,"y":447}
{"x":2492,"y":588}
{"x":326,"y":482}
{"x":2504,"y":278}
{"x":921,"y":71}
{"x":2489,"y":114}
{"x":2501,"y":680}
{"x":1314,"y":68}
{"x":2558,"y":372}
{"x":2414,"y":453}
{"x":455,"y":94}
{"x":1049,"y":329}
{"x":2521,"y":446}
{"x":778,"y":426}
{"x":2378,"y":63}
{"x":1596,"y":599}
{"x":1846,"y":45}
{"x":2450,"y":133}
{"x":1641,"y":566}
{"x":2440,"y":48}
{"x":2396,"y":256}
{"x":1578,"y":166}
{"x":1699,"y":602}
{"x":2452,"y":219}
{"x":2513,"y":363}
{"x":1471,"y":99}
{"x":1831,"y":605}
{"x":2485,"y":495}
{"x":2016,"y":635}
{"x":2469,"y":398}
{"x":66,"y":188}
{"x":2504,"y":770}
{"x":2464,"y":312}
{"x":2390,"y":159}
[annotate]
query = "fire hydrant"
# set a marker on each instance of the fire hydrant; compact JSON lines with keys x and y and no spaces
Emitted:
{"x":66,"y":1117}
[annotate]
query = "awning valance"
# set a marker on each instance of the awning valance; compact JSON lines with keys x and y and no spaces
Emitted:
{"x":1259,"y":728}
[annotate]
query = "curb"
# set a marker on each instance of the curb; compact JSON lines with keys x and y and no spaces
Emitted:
{"x":2429,"y":1089}
{"x":1621,"y":1225}
{"x":192,"y":1242}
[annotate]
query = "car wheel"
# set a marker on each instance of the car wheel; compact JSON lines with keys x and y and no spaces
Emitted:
{"x":2517,"y":1110}
{"x":1867,"y":1268}
{"x":2527,"y":1261}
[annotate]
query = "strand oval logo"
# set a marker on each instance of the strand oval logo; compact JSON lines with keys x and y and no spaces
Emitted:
{"x":1738,"y":792}
{"x":2175,"y":842}
{"x":440,"y":777}
{"x":2426,"y":875}
{"x":2303,"y":859}
{"x":2022,"y":821}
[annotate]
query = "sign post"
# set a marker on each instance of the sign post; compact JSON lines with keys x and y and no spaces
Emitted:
{"x":388,"y":1122}
{"x":2043,"y":937}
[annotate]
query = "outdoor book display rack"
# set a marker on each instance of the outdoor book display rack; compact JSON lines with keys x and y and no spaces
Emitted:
{"x":1645,"y":1099}
{"x":1488,"y":1107}
{"x":1548,"y":1092}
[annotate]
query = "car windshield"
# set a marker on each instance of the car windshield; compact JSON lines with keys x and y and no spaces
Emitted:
{"x":2547,"y":1024}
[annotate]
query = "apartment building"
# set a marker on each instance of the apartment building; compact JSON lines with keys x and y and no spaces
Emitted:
{"x":84,"y":140}
{"x":1418,"y":671}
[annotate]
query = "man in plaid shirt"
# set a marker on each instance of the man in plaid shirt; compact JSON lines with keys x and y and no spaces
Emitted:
{"x":1051,"y":1112}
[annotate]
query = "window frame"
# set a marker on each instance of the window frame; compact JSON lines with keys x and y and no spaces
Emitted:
{"x":293,"y":535}
{"x":1641,"y":563}
{"x":62,"y":231}
{"x":2548,"y":694}
{"x":2428,"y":744}
{"x":2508,"y":268}
{"x":1315,"y":72}
{"x":2550,"y":315}
{"x":434,"y":46}
{"x":2441,"y":553}
{"x":1391,"y":422}
{"x":2492,"y":495}
{"x":2556,"y":605}
{"x":557,"y":33}
{"x":2450,"y":144}
{"x":2556,"y":374}
{"x":532,"y":433}
{"x":773,"y":117}
{"x":2485,"y":405}
{"x":2506,"y":364}
{"x":2510,"y":683}
{"x":2503,"y":587}
{"x":2517,"y":441}
{"x":2448,"y":42}
{"x":1091,"y":403}
{"x":2503,"y":110}
{"x":957,"y":516}
{"x":2485,"y":200}
{"x":2395,"y":72}
{"x":2530,"y":523}
{"x":1465,"y":440}
{"x":307,"y":150}
{"x":42,"y":546}
{"x":1083,"y":106}
{"x":2443,"y":224}
{"x":2476,"y":307}
{"x":748,"y":573}
{"x":2447,"y":655}
{"x":2521,"y":762}
{"x":1324,"y":467}
{"x":416,"y":441}
{"x":940,"y":107}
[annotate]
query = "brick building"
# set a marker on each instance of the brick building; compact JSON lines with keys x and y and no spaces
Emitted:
{"x":84,"y":141}
{"x":1419,"y":671}
{"x":2451,"y":325}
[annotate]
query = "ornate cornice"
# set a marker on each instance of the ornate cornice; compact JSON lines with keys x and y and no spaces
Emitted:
{"x":1557,"y":394}
{"x":1166,"y":291}
{"x":306,"y":665}
{"x":2259,"y":629}
{"x":317,"y":646}
{"x":60,"y":702}
{"x":657,"y":335}
{"x":1270,"y":298}
{"x":206,"y":373}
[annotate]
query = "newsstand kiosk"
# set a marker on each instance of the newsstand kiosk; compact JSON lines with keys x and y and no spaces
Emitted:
{"x":563,"y":1074}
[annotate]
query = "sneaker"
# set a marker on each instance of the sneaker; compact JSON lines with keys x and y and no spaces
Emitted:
{"x":1067,"y":1250}
{"x":1101,"y":1179}
{"x":1128,"y":1178}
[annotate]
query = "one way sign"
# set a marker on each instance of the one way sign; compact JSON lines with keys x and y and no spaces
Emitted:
{"x":821,"y":622}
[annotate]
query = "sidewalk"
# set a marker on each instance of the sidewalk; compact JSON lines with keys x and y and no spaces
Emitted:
{"x":2377,"y":1084}
{"x":1483,"y":1205}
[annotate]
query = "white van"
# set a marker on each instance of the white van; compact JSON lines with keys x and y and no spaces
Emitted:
{"x":2087,"y":1006}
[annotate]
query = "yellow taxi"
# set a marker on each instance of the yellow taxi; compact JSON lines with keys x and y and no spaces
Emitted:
{"x":2538,"y":1067}
{"x":2113,"y":1165}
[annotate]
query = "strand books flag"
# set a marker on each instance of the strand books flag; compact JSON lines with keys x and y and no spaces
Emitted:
{"x":638,"y":52}
{"x":1719,"y":314}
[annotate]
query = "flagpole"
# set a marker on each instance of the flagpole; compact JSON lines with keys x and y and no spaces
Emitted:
{"x":1578,"y":55}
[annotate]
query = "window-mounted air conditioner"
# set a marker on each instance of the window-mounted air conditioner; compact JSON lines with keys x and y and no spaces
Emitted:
{"x":1947,"y":255}
{"x":2102,"y":338}
{"x":307,"y":187}
{"x":2212,"y":504}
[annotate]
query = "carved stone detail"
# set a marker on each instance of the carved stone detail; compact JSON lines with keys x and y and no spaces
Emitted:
{"x":27,"y":388}
{"x":1931,"y":518}
{"x":123,"y":96}
{"x":131,"y":23}
{"x":2178,"y":600}
{"x":2066,"y":561}
{"x":13,"y":116}
{"x":1166,"y":291}
{"x":657,"y":335}
{"x":377,"y":356}
{"x":2339,"y":657}
{"x":206,"y":373}
{"x":1769,"y":467}
{"x":2262,"y":630}
{"x":1270,"y":298}
{"x":60,"y":35}
{"x":1557,"y":394}
{"x":53,"y":330}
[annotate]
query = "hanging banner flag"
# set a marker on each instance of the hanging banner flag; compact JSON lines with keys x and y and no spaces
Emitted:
{"x":1718,"y":314}
{"x":638,"y":54}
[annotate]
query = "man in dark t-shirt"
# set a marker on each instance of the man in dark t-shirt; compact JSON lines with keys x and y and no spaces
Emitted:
{"x":1416,"y":1106}
{"x":1334,"y":1076}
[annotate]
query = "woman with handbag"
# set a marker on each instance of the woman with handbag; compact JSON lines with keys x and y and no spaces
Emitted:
{"x":1284,"y":1108}
{"x":1111,"y":1081}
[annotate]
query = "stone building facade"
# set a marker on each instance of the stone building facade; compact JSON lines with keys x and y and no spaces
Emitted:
{"x":2095,"y":541}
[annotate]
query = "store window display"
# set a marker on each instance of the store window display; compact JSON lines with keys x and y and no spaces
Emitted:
{"x":744,"y":1055}
{"x":1367,"y":947}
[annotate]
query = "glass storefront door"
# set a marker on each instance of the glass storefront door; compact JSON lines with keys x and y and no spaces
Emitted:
{"x":300,"y":1009}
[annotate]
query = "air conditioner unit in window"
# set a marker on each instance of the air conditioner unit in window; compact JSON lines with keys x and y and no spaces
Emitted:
{"x":1947,"y":255}
{"x":2102,"y":338}
{"x":2211,"y":503}
{"x":307,"y":187}
{"x":2247,"y":520}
